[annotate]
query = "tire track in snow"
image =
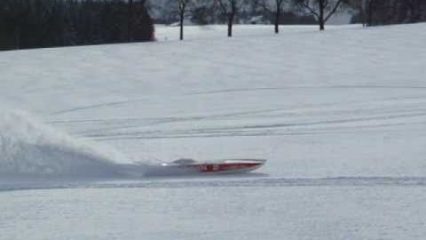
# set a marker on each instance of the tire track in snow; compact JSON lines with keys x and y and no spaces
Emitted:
{"x":266,"y":129}
{"x":334,"y":117}
{"x":234,"y":90}
{"x":377,"y":108}
{"x":99,"y":105}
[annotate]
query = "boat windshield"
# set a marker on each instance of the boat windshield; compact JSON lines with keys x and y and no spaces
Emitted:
{"x":184,"y":161}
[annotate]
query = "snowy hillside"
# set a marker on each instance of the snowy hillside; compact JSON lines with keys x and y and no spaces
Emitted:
{"x":347,"y":102}
{"x":340,"y":115}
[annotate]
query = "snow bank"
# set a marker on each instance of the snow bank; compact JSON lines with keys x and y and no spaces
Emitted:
{"x":28,"y":148}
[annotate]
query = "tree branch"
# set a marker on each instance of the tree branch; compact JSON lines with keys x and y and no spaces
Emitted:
{"x":333,"y":10}
{"x":326,"y":2}
{"x":265,"y":6}
{"x":311,"y":10}
{"x":223,"y":7}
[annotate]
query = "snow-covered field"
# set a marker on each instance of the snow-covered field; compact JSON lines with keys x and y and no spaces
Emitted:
{"x":340,"y":116}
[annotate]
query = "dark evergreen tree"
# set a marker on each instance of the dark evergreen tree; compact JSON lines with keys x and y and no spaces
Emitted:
{"x":380,"y":12}
{"x":52,"y":23}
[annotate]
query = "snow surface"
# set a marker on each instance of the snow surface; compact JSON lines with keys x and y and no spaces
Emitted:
{"x":340,"y":116}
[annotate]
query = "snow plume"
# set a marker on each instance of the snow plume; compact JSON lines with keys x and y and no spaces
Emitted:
{"x":30,"y":149}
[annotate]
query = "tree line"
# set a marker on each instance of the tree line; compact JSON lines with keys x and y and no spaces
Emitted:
{"x":382,"y":12}
{"x":369,"y":12}
{"x":53,"y":23}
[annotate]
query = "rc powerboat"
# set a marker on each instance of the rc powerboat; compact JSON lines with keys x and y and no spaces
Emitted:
{"x":226,"y":166}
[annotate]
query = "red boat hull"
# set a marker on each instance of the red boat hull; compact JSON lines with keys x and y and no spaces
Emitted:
{"x":226,"y":166}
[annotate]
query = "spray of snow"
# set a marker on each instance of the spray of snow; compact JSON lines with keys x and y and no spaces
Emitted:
{"x":29,"y":148}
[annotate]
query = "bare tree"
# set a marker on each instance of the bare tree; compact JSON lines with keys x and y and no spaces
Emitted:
{"x":182,"y":9}
{"x":229,"y":9}
{"x":274,"y":7}
{"x":321,"y":9}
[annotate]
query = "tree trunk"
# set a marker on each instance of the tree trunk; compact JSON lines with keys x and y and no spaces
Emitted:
{"x":321,"y":25}
{"x":181,"y":25}
{"x":230,"y":22}
{"x":321,"y":21}
{"x":277,"y":20}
